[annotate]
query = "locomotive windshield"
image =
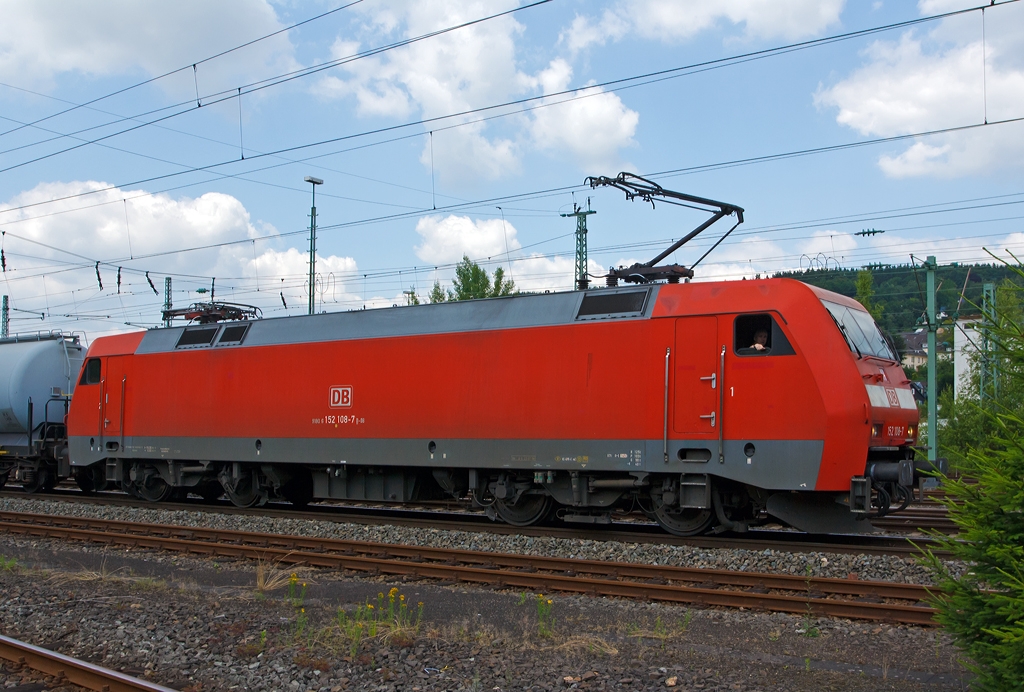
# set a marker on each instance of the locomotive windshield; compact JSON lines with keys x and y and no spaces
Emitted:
{"x":860,"y":331}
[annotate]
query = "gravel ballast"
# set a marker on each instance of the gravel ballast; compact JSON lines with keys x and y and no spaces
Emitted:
{"x":198,"y":624}
{"x":817,"y":564}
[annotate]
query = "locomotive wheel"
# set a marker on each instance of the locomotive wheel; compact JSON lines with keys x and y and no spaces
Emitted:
{"x":153,"y":489}
{"x":40,"y":481}
{"x":684,"y":522}
{"x":3,"y":479}
{"x":530,"y":510}
{"x":245,"y":492}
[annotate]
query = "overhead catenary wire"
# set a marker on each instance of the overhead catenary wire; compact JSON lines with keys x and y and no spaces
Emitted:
{"x":590,"y":88}
{"x":130,"y":254}
{"x":917,"y":210}
{"x":225,"y":95}
{"x":193,"y":65}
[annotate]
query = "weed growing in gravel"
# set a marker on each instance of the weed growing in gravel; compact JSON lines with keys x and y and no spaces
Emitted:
{"x":807,"y":629}
{"x":301,"y":623}
{"x":249,"y":649}
{"x":8,"y":564}
{"x":148,"y":583}
{"x":545,"y":619}
{"x":590,"y":644}
{"x":390,"y":619}
{"x":304,"y":660}
{"x":269,"y":577}
{"x":296,"y":594}
{"x":102,"y":574}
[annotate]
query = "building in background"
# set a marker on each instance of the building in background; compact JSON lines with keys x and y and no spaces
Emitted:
{"x":966,"y":343}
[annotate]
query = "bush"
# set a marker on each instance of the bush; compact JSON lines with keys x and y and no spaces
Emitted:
{"x":983,"y":608}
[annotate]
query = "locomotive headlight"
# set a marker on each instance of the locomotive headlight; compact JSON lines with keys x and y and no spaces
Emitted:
{"x":876,"y":430}
{"x":911,"y":430}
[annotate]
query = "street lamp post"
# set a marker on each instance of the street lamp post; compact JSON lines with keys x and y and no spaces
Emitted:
{"x":312,"y":241}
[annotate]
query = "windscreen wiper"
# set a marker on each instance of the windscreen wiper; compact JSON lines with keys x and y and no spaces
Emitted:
{"x":846,"y":335}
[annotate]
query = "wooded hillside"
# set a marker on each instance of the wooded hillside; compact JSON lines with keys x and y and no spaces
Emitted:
{"x":899,"y":290}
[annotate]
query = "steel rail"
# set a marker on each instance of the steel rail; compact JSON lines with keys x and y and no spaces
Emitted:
{"x":629,"y":532}
{"x":663,"y":583}
{"x":77,"y":672}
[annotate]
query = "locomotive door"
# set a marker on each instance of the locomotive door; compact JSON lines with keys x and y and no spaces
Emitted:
{"x":695,"y":370}
{"x":112,"y":403}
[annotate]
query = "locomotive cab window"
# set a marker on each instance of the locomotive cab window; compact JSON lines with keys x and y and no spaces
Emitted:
{"x":760,"y":335}
{"x":91,"y":372}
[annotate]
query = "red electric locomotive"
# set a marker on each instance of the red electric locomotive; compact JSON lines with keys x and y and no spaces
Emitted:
{"x":703,"y":404}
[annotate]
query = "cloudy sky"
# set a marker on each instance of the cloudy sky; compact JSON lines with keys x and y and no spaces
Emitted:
{"x":172,"y":139}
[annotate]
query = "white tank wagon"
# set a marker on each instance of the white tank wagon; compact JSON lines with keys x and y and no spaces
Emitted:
{"x":37,"y":377}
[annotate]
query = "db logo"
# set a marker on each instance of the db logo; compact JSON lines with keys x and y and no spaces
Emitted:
{"x":341,"y":397}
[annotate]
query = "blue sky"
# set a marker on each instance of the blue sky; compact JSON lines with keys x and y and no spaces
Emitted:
{"x":399,"y":207}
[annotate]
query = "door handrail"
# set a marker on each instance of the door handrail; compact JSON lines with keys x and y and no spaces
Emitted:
{"x":668,"y":353}
{"x":721,"y":407}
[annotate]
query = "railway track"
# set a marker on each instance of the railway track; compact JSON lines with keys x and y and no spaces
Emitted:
{"x":920,"y":517}
{"x":74,"y":671}
{"x":442,"y":516}
{"x":848,"y":598}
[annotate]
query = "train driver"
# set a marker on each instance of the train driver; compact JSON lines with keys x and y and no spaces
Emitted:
{"x":760,"y":340}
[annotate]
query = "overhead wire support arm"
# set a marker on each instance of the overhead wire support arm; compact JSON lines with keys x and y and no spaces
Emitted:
{"x":646,"y":190}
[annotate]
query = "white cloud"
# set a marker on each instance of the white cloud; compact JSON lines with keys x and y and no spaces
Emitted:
{"x":469,"y":68}
{"x":40,"y":39}
{"x":447,"y":239}
{"x":467,"y":150}
{"x":754,"y":255}
{"x":676,"y":20}
{"x":934,"y":81}
{"x":50,"y":259}
{"x":458,"y":71}
{"x":829,"y":244}
{"x":592,"y":129}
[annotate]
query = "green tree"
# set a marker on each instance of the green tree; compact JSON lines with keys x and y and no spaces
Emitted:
{"x":437,"y":294}
{"x":866,"y":294}
{"x":944,"y":374}
{"x":472,"y":281}
{"x":983,"y":606}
